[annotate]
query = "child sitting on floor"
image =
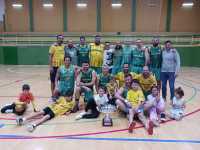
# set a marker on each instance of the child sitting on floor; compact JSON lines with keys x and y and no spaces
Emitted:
{"x":178,"y":105}
{"x":20,"y":106}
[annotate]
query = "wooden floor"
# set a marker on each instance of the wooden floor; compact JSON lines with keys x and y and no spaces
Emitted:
{"x":66,"y":133}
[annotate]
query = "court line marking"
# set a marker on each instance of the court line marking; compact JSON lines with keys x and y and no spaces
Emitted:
{"x":136,"y":127}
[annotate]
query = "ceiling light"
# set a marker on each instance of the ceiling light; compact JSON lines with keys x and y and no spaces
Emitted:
{"x":117,"y":5}
{"x":188,"y":4}
{"x":81,"y":5}
{"x":17,"y":5}
{"x":48,"y":5}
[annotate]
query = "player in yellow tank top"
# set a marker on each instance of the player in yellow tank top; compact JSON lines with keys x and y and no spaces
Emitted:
{"x":120,"y":76}
{"x":96,"y":54}
{"x":56,"y":59}
{"x":147,"y":80}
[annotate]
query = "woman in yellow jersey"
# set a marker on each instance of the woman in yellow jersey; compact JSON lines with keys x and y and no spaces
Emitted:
{"x":56,"y":59}
{"x":62,"y":106}
{"x":96,"y":54}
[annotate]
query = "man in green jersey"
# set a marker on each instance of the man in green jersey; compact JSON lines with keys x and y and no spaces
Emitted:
{"x":140,"y":57}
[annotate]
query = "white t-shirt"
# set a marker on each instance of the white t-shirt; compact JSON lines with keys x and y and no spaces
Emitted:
{"x":178,"y":103}
{"x":101,"y":100}
{"x":153,"y":101}
{"x":108,"y":57}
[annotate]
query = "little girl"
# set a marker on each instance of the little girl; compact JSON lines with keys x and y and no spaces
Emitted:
{"x":178,"y":105}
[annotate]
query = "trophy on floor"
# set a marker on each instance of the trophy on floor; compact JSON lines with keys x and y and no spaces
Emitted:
{"x":107,"y":110}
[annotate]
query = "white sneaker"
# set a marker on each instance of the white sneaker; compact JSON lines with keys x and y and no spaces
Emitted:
{"x":79,"y":116}
{"x":30,"y":127}
{"x":20,"y":121}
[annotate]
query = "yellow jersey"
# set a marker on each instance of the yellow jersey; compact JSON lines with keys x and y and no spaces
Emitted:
{"x":61,"y":106}
{"x":96,"y":55}
{"x":120,"y":78}
{"x":58,"y":55}
{"x":135,"y":97}
{"x":146,"y":83}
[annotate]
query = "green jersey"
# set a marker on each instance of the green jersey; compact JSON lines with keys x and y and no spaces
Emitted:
{"x":126,"y":54}
{"x":155,"y":61}
{"x":104,"y":79}
{"x":155,"y":57}
{"x":82,"y":53}
{"x":67,"y":79}
{"x":117,"y":61}
{"x":138,"y":60}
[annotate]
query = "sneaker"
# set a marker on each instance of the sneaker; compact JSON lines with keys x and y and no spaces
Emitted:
{"x":131,"y":127}
{"x":162,"y":117}
{"x":150,"y":128}
{"x":80,"y":116}
{"x":19,"y":121}
{"x":30,"y":127}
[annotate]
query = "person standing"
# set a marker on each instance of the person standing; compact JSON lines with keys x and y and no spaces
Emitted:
{"x":140,"y":57}
{"x":117,"y":59}
{"x":96,"y":54}
{"x":71,"y":51}
{"x":82,"y":51}
{"x":155,"y":53}
{"x":56,"y":59}
{"x":170,"y":68}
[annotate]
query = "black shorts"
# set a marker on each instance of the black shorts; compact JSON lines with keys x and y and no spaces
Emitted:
{"x":53,"y":74}
{"x":48,"y":111}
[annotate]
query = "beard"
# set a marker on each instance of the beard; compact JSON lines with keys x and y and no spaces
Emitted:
{"x":155,"y":44}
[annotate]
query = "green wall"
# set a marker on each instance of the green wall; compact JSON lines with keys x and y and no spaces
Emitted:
{"x":38,"y":55}
{"x":24,"y":55}
{"x":189,"y":56}
{"x":1,"y":56}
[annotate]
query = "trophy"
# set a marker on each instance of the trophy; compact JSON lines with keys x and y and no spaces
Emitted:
{"x":107,"y":110}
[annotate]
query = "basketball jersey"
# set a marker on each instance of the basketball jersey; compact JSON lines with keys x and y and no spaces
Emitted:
{"x":67,"y":77}
{"x":86,"y":77}
{"x":96,"y":55}
{"x":155,"y":57}
{"x":146,"y":83}
{"x":126,"y":54}
{"x":83,"y":53}
{"x":58,"y":55}
{"x":138,"y":58}
{"x":104,"y":79}
{"x":125,"y":91}
{"x":120,"y":77}
{"x":61,"y":106}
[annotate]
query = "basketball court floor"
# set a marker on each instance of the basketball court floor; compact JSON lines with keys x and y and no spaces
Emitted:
{"x":65,"y":132}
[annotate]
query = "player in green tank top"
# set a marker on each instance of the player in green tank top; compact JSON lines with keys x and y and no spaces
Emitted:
{"x":82,"y":51}
{"x":117,"y":59}
{"x":140,"y":57}
{"x":104,"y":78}
{"x":127,"y":53}
{"x":65,"y":79}
{"x":122,"y":94}
{"x":155,"y":53}
{"x":84,"y":84}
